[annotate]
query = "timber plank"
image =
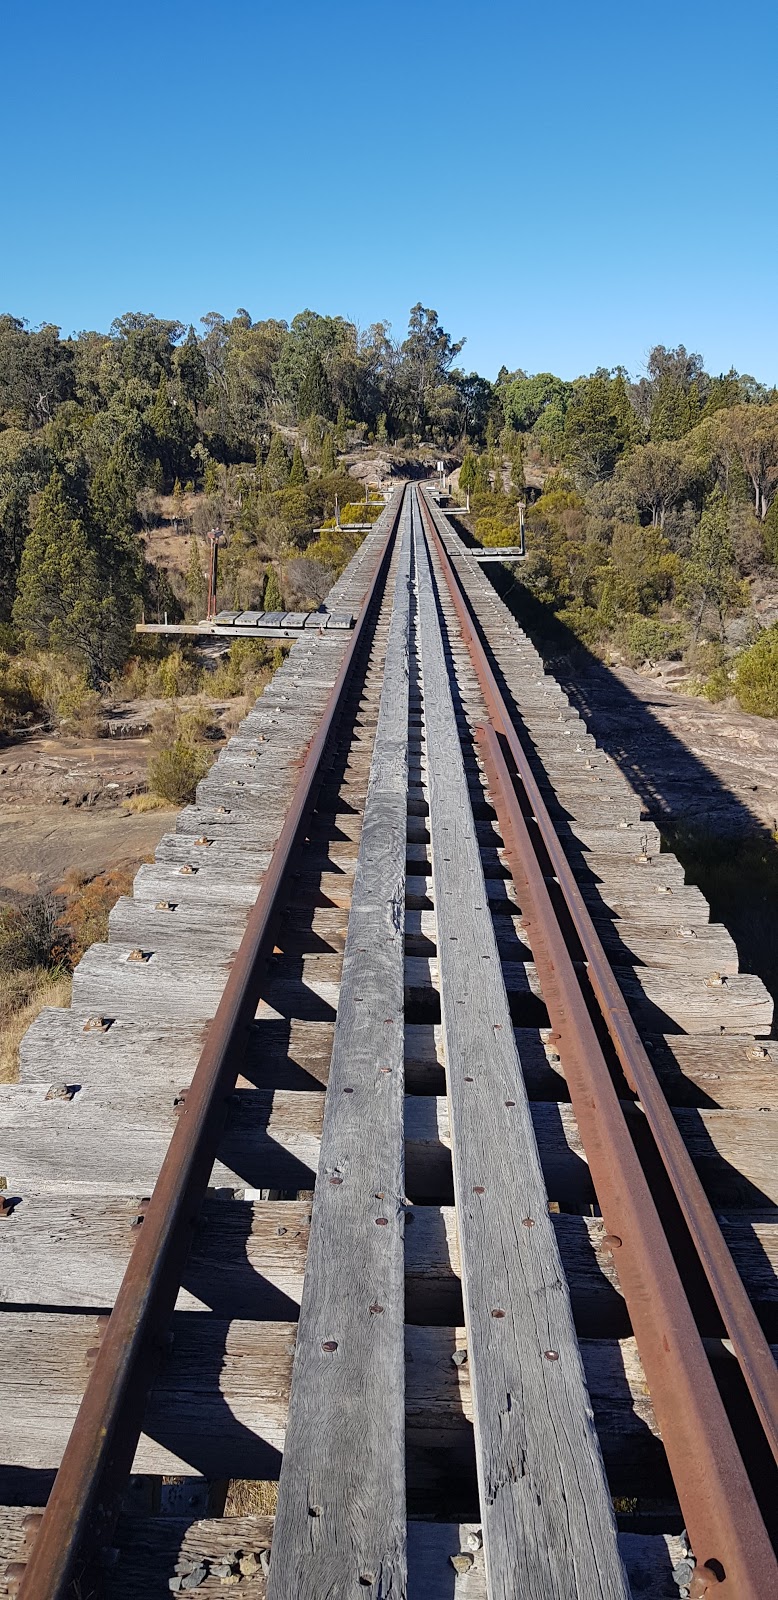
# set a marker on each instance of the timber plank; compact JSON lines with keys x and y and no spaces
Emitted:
{"x":97,"y":1143}
{"x":247,"y":1259}
{"x":152,"y":1550}
{"x":549,"y":1527}
{"x":345,"y":1445}
{"x":219,"y":1405}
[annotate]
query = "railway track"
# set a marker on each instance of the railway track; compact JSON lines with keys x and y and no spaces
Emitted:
{"x":494,"y":1310}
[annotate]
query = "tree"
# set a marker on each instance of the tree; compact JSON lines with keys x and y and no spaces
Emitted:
{"x":467,"y":472}
{"x":191,"y":370}
{"x":36,"y":373}
{"x":78,"y":590}
{"x":670,"y":398}
{"x":273,"y":599}
{"x":657,"y":475}
{"x":195,"y":577}
{"x":298,"y":474}
{"x":178,"y":503}
{"x":710,"y":574}
{"x":675,"y":410}
{"x":597,"y":430}
{"x":314,"y":396}
{"x":24,"y":469}
{"x":481,"y":479}
{"x":318,"y":355}
{"x":751,"y":434}
{"x":276,"y":469}
{"x":756,"y":675}
{"x":477,"y":401}
{"x":525,"y":399}
{"x":426,"y":357}
{"x":328,"y":462}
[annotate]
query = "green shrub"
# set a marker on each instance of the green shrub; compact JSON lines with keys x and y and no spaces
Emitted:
{"x":649,"y":639}
{"x":756,"y":675}
{"x":19,"y":702}
{"x":175,"y":676}
{"x":80,"y":709}
{"x":175,"y":773}
{"x":586,"y":623}
{"x":246,"y":667}
{"x":495,"y":530}
{"x":197,"y":726}
{"x":717,"y":686}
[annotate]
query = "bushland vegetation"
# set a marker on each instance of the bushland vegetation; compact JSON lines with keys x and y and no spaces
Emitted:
{"x":651,"y":513}
{"x":651,"y":502}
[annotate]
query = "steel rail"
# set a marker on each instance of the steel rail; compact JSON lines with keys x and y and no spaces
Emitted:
{"x":724,"y":1521}
{"x":98,"y":1457}
{"x":741,"y":1323}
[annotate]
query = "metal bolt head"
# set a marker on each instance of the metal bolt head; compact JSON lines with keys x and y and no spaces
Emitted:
{"x":705,"y":1580}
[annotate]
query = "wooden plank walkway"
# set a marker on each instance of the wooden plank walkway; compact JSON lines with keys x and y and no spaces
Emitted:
{"x":339,"y":1530}
{"x":548,"y":1520}
{"x":85,"y":1129}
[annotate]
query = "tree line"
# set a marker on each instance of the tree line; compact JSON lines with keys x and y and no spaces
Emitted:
{"x":646,"y":496}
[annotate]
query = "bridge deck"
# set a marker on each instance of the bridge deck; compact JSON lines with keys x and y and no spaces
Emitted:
{"x":403,"y":1192}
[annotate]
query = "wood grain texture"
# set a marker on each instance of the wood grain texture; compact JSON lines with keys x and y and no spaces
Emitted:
{"x":152,"y":1550}
{"x":248,"y":1259}
{"x":340,"y":1524}
{"x":548,"y":1521}
{"x":105,"y":1142}
{"x":219,"y":1405}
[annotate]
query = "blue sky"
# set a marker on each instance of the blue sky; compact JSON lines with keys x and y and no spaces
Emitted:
{"x":566,"y":184}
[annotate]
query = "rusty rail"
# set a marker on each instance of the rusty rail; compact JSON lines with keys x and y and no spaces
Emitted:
{"x":727,"y":1531}
{"x":98,"y":1457}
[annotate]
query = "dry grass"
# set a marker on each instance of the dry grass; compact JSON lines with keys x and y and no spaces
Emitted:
{"x":138,"y":803}
{"x":79,"y":917}
{"x":25,"y":994}
{"x":87,"y":902}
{"x":248,"y":1497}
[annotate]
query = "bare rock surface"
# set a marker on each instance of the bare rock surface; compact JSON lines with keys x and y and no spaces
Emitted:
{"x":713,"y":766}
{"x":45,"y":770}
{"x":40,"y":844}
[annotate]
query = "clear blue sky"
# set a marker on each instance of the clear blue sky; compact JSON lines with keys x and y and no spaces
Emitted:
{"x":567,"y":184}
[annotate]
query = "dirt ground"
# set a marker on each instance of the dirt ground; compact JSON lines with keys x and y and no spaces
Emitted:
{"x":39,"y":844}
{"x":62,"y":806}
